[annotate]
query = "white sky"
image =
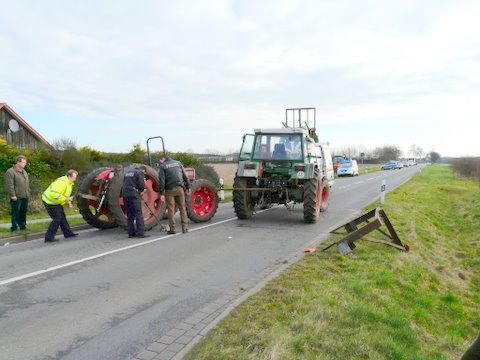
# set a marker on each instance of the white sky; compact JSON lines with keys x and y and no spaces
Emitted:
{"x":110,"y":74}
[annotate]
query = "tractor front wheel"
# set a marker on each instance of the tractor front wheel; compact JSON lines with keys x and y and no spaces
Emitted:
{"x":202,"y":203}
{"x":242,"y":199}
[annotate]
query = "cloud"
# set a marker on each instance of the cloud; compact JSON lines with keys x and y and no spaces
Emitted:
{"x":198,"y":71}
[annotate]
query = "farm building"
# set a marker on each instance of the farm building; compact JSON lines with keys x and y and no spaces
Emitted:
{"x":17,"y":132}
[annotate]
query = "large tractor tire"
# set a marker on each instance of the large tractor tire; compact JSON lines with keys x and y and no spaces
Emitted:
{"x":202,"y":203}
{"x":242,"y":199}
{"x":92,"y":199}
{"x":152,"y":206}
{"x":325,"y":196}
{"x":312,"y":198}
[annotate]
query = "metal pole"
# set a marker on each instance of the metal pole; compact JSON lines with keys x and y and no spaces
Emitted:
{"x":382,"y":192}
{"x":161,"y":227}
{"x":222,"y":192}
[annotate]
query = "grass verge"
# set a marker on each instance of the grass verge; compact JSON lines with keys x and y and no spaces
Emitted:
{"x":368,"y":168}
{"x":39,"y":223}
{"x":228,"y":194}
{"x":376,"y":303}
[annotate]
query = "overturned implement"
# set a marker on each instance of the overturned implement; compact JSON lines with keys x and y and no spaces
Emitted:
{"x":100,"y":200}
{"x":357,"y":232}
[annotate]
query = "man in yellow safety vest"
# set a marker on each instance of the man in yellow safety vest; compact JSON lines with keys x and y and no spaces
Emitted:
{"x":54,"y":197}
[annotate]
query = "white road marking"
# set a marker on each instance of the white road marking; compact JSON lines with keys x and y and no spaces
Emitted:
{"x":93,"y":257}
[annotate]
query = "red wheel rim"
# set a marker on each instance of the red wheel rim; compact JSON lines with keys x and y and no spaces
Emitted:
{"x":325,"y":194}
{"x":202,"y":201}
{"x":152,"y":198}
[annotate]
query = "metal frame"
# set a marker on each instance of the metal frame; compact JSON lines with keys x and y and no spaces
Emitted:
{"x":355,"y":232}
{"x":148,"y":148}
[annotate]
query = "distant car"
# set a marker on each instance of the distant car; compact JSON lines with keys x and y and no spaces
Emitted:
{"x":391,"y":165}
{"x":337,"y":160}
{"x":348,"y":168}
{"x":411,"y":162}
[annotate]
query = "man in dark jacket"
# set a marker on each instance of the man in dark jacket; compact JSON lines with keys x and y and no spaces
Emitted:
{"x":173,"y":187}
{"x":18,"y":188}
{"x":133,"y":188}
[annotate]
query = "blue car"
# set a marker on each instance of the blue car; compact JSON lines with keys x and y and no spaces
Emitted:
{"x":391,"y":165}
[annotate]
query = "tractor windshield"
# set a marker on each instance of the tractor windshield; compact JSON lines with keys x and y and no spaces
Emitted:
{"x":278,"y":147}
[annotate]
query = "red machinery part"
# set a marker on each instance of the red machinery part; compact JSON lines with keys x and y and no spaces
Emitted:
{"x":92,"y":198}
{"x":152,"y":207}
{"x":202,"y":203}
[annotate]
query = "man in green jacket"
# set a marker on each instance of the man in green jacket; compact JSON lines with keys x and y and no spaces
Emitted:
{"x":18,"y":188}
{"x":54,"y":197}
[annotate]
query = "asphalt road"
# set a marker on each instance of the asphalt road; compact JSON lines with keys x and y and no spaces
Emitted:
{"x":104,"y":296}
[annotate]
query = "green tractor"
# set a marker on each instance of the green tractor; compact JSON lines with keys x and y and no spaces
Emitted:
{"x":284,"y":166}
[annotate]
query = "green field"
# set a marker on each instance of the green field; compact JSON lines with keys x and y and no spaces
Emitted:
{"x":378,"y":302}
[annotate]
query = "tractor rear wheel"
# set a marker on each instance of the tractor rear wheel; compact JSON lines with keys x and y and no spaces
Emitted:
{"x":152,"y":206}
{"x":202,"y":203}
{"x":242,"y":199}
{"x":312,"y":198}
{"x":324,"y":202}
{"x":92,"y":199}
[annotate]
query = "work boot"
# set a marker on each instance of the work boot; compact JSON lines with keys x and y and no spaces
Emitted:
{"x":185,"y":231}
{"x":70,"y":235}
{"x":171,"y":232}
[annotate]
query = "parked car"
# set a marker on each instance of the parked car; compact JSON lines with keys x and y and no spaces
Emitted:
{"x":411,"y":162}
{"x":337,"y":160}
{"x":348,"y":168}
{"x":392,"y":165}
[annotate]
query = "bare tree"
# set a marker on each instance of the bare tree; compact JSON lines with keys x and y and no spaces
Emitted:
{"x":416,"y":151}
{"x":66,"y":156}
{"x":64,"y":144}
{"x":387,"y":152}
{"x":350,"y":151}
{"x":434,"y":156}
